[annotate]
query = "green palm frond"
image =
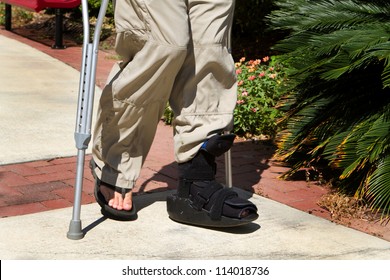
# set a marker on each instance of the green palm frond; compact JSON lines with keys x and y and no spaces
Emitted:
{"x":336,"y":37}
{"x":382,"y":52}
{"x":331,"y":149}
{"x":378,"y":187}
{"x":338,"y":98}
{"x":327,"y":15}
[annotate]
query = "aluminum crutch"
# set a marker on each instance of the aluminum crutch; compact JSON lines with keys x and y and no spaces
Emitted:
{"x":228,"y":154}
{"x":85,"y":108}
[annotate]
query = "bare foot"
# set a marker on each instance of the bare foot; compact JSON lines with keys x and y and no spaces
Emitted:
{"x":115,"y":199}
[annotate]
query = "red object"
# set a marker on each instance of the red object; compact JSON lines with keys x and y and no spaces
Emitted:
{"x":38,"y":5}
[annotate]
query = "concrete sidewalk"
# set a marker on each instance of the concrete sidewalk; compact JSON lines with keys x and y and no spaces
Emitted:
{"x":38,"y":103}
{"x":281,"y":232}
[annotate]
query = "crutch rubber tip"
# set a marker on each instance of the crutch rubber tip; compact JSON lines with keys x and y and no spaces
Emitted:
{"x":75,"y":232}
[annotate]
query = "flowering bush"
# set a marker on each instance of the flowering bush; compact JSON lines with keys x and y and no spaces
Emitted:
{"x":255,"y":114}
{"x":258,"y":92}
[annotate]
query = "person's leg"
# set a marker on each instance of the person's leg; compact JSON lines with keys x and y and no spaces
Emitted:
{"x":205,"y":92}
{"x":203,"y":99}
{"x":152,"y":39}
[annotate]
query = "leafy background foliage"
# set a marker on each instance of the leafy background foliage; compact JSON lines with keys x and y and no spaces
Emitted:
{"x":338,"y":101}
{"x":252,"y":36}
{"x":259,"y":83}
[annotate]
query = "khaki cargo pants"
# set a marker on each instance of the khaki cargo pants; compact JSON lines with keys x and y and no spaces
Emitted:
{"x":174,"y":50}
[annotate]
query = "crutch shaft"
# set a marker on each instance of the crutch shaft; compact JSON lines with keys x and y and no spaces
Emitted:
{"x":75,"y":229}
{"x":85,"y":110}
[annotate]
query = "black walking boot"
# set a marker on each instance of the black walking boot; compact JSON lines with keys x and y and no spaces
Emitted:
{"x":202,"y":201}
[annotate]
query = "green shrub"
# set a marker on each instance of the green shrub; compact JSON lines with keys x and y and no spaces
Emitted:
{"x":338,"y":107}
{"x":259,"y":83}
{"x":168,"y":115}
{"x":94,"y":6}
{"x":2,"y":15}
{"x":259,"y":89}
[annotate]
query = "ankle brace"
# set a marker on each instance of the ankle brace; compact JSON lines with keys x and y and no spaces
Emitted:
{"x":218,"y":144}
{"x":203,"y":167}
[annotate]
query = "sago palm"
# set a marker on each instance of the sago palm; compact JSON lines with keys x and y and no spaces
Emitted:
{"x":338,"y":101}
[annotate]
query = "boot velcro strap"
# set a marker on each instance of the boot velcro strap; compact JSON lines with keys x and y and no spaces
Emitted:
{"x":217,"y":208}
{"x":203,"y":196}
{"x":215,"y":195}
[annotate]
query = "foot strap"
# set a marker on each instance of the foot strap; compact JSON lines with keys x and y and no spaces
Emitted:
{"x":106,"y":210}
{"x":212,"y":194}
{"x":122,"y":191}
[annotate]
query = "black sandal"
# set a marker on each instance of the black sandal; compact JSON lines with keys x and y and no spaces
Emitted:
{"x":202,"y":201}
{"x":106,"y":210}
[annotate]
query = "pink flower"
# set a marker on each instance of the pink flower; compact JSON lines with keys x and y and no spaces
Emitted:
{"x":262,"y":74}
{"x":240,"y":83}
{"x":265,"y":59}
{"x":254,"y":110}
{"x":272,"y":76}
{"x":244,"y":93}
{"x":238,"y":71}
{"x":257,"y":62}
{"x":271,"y":69}
{"x":251,"y":78}
{"x":240,"y":101}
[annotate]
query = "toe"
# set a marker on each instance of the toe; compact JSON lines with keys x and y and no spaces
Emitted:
{"x":127,"y":201}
